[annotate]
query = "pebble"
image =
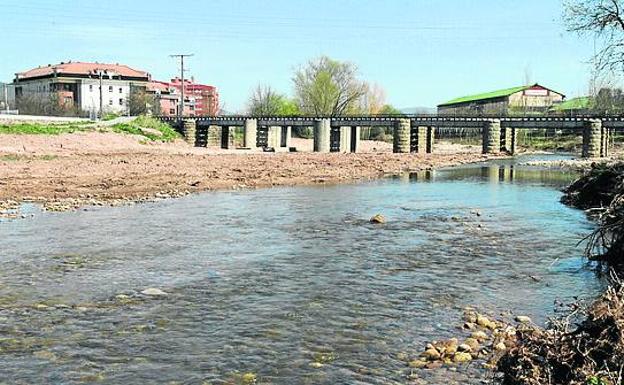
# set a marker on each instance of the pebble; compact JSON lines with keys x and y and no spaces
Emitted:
{"x":500,"y":346}
{"x":461,"y":357}
{"x":418,"y":364}
{"x":479,"y":336}
{"x":432,"y":354}
{"x":523,"y":319}
{"x":153,"y":292}
{"x":464,"y":348}
{"x":316,"y":365}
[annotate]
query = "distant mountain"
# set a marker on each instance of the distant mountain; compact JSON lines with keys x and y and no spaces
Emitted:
{"x":419,"y":110}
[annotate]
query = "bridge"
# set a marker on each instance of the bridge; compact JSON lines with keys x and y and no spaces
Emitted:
{"x":412,"y":133}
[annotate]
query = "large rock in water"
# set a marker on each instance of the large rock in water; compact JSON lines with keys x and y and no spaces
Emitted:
{"x":153,"y":292}
{"x":378,"y":218}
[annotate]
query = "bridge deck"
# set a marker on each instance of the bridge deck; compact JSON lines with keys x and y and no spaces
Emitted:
{"x":529,"y":122}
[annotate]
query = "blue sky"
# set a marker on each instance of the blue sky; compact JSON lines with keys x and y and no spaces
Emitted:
{"x":422,"y":52}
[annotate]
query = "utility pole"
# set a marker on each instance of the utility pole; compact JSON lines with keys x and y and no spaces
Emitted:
{"x":100,"y":73}
{"x":181,"y":106}
{"x":6,"y":98}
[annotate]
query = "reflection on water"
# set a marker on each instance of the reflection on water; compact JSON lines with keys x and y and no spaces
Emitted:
{"x":290,"y":284}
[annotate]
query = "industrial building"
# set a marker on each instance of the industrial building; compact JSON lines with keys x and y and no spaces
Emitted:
{"x":517,"y":100}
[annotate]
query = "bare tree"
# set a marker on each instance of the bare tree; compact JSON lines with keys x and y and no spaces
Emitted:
{"x":605,"y":20}
{"x":373,"y":100}
{"x":326,"y":87}
{"x":265,"y":101}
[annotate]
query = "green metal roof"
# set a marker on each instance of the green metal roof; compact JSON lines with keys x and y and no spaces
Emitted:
{"x":580,"y":103}
{"x":487,"y":95}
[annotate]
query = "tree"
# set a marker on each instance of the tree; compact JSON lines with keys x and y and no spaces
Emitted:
{"x":326,"y":87}
{"x":605,"y":20}
{"x":388,"y":109}
{"x":265,"y":101}
{"x":373,"y":100}
{"x":142,"y":103}
{"x":609,"y":101}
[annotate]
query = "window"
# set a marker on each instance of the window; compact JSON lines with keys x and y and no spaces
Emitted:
{"x":172,"y":111}
{"x":110,"y":88}
{"x":121,"y":101}
{"x":120,"y":90}
{"x":90,"y":87}
{"x":110,"y":102}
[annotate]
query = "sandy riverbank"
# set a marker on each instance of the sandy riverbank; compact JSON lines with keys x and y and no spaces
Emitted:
{"x":68,"y":171}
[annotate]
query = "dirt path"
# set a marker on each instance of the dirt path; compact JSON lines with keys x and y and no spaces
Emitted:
{"x":68,"y":171}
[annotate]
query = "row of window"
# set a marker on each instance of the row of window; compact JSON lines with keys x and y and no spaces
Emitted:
{"x":121,"y":102}
{"x":110,"y":89}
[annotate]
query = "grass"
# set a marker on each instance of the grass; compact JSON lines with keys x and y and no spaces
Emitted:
{"x":110,"y":116}
{"x":41,"y":128}
{"x":148,"y":127}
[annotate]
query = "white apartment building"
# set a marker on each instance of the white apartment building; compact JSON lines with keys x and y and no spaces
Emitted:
{"x":78,"y":84}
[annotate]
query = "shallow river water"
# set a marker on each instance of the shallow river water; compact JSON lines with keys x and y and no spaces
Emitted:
{"x":269,"y":281}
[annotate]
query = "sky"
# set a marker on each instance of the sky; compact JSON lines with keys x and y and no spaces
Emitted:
{"x":422,"y":52}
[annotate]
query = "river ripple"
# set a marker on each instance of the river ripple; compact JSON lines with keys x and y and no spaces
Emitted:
{"x":270,"y":281}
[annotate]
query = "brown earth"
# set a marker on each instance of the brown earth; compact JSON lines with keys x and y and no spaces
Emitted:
{"x":68,"y":171}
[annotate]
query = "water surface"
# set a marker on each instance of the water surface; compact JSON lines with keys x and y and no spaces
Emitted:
{"x":270,"y":281}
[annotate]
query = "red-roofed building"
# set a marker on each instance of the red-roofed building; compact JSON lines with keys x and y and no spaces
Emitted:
{"x":77,"y":84}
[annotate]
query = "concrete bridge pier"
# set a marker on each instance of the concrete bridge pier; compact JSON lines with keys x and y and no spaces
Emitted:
{"x":402,"y":135}
{"x":491,"y":136}
{"x":345,"y":139}
{"x":189,"y":131}
{"x":322,"y":135}
{"x":250,"y":134}
{"x":594,"y":144}
{"x":274,"y":137}
{"x":509,"y":140}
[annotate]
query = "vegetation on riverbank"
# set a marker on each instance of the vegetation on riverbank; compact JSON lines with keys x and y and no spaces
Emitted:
{"x":586,"y":346}
{"x":42,"y":128}
{"x":149,"y":127}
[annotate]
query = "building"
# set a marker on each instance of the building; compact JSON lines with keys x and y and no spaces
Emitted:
{"x":203,"y":99}
{"x":165,"y":96}
{"x":77,"y":84}
{"x":199,"y":99}
{"x":517,"y":100}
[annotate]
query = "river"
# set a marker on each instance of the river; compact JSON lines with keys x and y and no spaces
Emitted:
{"x":292,"y":285}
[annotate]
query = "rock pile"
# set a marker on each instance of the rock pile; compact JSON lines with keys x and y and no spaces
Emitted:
{"x":487,"y":339}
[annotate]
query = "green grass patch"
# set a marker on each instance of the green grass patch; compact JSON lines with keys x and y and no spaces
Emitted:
{"x":41,"y":129}
{"x":110,"y":116}
{"x":148,"y":127}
